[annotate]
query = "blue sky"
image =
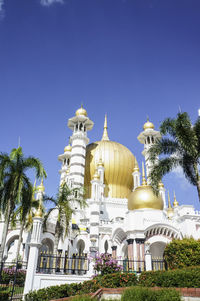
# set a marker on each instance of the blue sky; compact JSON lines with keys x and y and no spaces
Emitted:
{"x":126,"y":58}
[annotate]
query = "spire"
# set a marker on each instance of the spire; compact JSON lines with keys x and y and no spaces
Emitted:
{"x":105,"y":132}
{"x":41,"y":186}
{"x":136,"y":167}
{"x":176,"y":204}
{"x":144,"y":182}
{"x":170,"y":210}
{"x":169,"y":202}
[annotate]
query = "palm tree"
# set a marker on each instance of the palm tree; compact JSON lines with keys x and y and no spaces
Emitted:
{"x":13,"y":183}
{"x":24,"y":213}
{"x":63,"y":203}
{"x":180,"y":148}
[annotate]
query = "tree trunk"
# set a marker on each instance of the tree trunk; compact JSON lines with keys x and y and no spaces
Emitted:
{"x":198,"y":189}
{"x":55,"y":249}
{"x":197,"y":179}
{"x":5,"y":232}
{"x":20,"y":239}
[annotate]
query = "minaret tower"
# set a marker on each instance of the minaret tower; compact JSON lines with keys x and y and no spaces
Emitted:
{"x":79,"y":124}
{"x":148,"y":138}
{"x":65,"y":159}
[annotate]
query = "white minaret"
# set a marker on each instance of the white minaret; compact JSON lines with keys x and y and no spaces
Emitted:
{"x":65,"y":159}
{"x":136,"y":176}
{"x":79,"y":124}
{"x":148,"y":138}
{"x":95,"y":213}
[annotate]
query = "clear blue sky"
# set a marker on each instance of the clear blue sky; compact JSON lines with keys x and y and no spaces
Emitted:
{"x":126,"y":58}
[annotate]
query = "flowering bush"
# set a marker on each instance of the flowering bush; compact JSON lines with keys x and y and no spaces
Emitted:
{"x":105,"y":264}
{"x":8,"y":274}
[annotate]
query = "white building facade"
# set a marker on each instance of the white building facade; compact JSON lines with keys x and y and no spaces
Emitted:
{"x":123,"y":217}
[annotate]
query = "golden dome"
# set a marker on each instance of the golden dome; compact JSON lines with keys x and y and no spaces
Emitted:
{"x":148,"y":125}
{"x":68,"y":148}
{"x":118,"y":162}
{"x":144,"y":197}
{"x":81,"y":112}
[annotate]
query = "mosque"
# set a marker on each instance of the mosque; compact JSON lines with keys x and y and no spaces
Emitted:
{"x":123,"y":217}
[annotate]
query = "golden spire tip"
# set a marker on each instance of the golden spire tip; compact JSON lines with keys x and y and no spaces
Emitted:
{"x":105,"y":131}
{"x":169,"y":202}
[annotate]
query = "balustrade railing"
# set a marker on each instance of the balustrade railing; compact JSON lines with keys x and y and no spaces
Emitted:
{"x":159,"y":264}
{"x":77,"y":264}
{"x":127,"y":265}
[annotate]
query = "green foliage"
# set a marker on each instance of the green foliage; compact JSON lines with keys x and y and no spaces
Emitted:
{"x":179,"y":147}
{"x":90,"y":286}
{"x":4,"y":295}
{"x":63,"y":203}
{"x":145,"y":294}
{"x":186,"y":277}
{"x":182,"y":253}
{"x":8,"y":274}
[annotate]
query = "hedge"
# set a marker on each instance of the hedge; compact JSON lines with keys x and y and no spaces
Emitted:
{"x":4,"y":295}
{"x":90,"y":286}
{"x":187,"y":277}
{"x":145,"y":294}
{"x":182,"y":253}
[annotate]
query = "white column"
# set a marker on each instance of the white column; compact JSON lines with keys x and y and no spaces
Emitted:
{"x":95,"y":214}
{"x":148,"y":261}
{"x":33,"y":254}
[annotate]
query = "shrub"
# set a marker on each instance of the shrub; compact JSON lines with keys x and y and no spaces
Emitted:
{"x":90,"y":286}
{"x":105,"y":264}
{"x":4,"y":295}
{"x":145,"y":294}
{"x":182,"y":253}
{"x":8,"y":274}
{"x":187,"y":277}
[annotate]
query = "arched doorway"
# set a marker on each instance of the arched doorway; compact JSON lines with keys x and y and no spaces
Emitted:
{"x":157,"y":249}
{"x":80,"y":246}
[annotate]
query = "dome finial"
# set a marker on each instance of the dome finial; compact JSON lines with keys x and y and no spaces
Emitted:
{"x":176,"y":204}
{"x":170,"y":210}
{"x":144,"y":182}
{"x":169,"y":202}
{"x":136,"y":167}
{"x":105,"y":131}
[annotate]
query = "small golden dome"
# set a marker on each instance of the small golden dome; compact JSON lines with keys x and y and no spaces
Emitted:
{"x":96,"y":176}
{"x":68,"y":148}
{"x":100,"y":163}
{"x":144,"y":197}
{"x":148,"y":125}
{"x":41,"y":187}
{"x":175,"y":203}
{"x":81,"y":112}
{"x":161,"y":185}
{"x":39,"y":212}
